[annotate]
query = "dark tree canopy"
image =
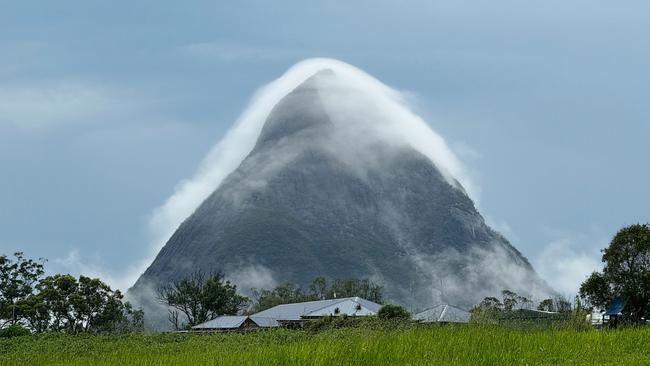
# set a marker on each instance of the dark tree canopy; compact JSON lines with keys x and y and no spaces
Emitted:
{"x":17,"y":279}
{"x":200,"y":298}
{"x":392,"y":311}
{"x":74,"y":306}
{"x":60,"y":302}
{"x":626,"y":273}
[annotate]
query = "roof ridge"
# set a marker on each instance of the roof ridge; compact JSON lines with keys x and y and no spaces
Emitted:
{"x":328,"y":305}
{"x":442,"y":304}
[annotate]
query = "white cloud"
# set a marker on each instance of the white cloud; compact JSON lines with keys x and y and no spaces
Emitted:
{"x":46,"y":104}
{"x":74,"y":264}
{"x":465,"y":151}
{"x":564,"y":266}
{"x":502,"y":228}
{"x":225,"y":51}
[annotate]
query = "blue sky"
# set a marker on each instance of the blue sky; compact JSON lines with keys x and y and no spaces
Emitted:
{"x":106,"y":106}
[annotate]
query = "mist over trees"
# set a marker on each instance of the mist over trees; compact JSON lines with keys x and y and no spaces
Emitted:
{"x":61,"y":302}
{"x":626,"y":273}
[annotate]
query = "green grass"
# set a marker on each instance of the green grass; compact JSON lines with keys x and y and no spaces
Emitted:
{"x":436,"y":345}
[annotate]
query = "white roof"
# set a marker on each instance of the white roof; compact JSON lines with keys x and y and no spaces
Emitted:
{"x":443,"y":313}
{"x":297,"y":311}
{"x":235,"y":321}
{"x":222,"y":322}
{"x":352,"y":306}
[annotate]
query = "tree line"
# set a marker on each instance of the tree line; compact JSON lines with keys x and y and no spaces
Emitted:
{"x":64,"y":303}
{"x":60,"y":302}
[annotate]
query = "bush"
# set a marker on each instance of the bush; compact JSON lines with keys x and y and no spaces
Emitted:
{"x":333,"y":322}
{"x":392,"y":311}
{"x":14,"y":331}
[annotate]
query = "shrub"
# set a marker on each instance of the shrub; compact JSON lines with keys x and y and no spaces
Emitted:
{"x":392,"y":311}
{"x":333,"y":322}
{"x":14,"y":331}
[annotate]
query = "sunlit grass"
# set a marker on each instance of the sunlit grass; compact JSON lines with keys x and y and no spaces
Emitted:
{"x":436,"y":345}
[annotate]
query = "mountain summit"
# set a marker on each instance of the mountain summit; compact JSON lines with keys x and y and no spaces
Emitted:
{"x":331,"y":189}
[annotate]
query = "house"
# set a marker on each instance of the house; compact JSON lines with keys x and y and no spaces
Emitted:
{"x":443,"y":313}
{"x":610,"y":317}
{"x":236,"y":322}
{"x":614,"y":312}
{"x":292,"y":315}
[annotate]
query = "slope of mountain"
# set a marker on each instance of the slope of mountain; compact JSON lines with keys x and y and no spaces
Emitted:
{"x":322,"y":196}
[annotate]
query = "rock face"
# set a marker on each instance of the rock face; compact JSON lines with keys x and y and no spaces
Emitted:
{"x":318,"y":196}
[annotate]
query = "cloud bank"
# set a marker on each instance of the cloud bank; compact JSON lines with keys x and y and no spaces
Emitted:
{"x":565,"y":266}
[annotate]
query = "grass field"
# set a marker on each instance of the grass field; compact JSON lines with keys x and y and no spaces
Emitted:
{"x":436,"y":345}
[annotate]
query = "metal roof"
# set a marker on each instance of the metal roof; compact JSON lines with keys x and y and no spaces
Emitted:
{"x":222,"y":322}
{"x":320,"y":308}
{"x":443,"y":313}
{"x":347,"y":307}
{"x":264,"y":322}
{"x":234,"y":322}
{"x":353,"y":306}
{"x":615,"y":307}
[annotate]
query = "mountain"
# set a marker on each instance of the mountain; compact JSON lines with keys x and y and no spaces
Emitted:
{"x":328,"y":191}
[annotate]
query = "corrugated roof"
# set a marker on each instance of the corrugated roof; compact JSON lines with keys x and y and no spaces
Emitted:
{"x":353,"y":306}
{"x":443,"y":313}
{"x":312,"y":308}
{"x":222,"y":322}
{"x":264,"y":322}
{"x":346,"y":306}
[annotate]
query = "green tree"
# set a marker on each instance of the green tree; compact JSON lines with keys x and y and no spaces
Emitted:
{"x":487,"y":311}
{"x":510,"y":300}
{"x":286,"y":293}
{"x":352,"y":287}
{"x":318,"y":288}
{"x":626,"y":273}
{"x":200,"y":298}
{"x":17,"y":280}
{"x":557,"y":304}
{"x":75,"y":306}
{"x":392,"y":311}
{"x":36,"y":313}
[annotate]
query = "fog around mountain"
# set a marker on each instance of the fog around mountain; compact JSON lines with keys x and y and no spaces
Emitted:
{"x":342,"y":180}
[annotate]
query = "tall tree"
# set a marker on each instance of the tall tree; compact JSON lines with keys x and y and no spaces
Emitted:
{"x":318,"y":288}
{"x":558,"y":304}
{"x":200,"y":298}
{"x":626,"y":273}
{"x":17,"y":280}
{"x":75,"y":306}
